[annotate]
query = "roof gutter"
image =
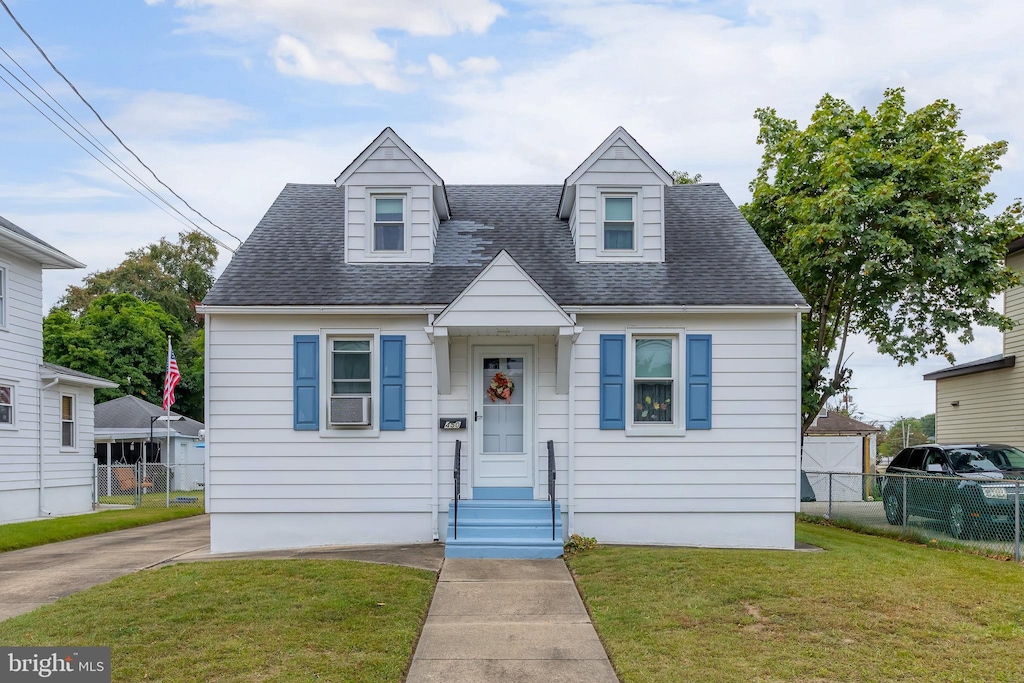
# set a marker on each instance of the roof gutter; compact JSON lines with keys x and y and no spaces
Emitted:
{"x":44,"y":250}
{"x":417,"y":309}
{"x":768,"y":308}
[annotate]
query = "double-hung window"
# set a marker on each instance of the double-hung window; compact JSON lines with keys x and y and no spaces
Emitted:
{"x":6,"y":405}
{"x":67,"y":421}
{"x":619,"y":221}
{"x":350,"y":367}
{"x":655,"y":378}
{"x":388,"y":222}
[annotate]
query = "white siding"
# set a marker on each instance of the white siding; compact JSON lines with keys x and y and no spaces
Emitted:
{"x":388,"y":168}
{"x":260,"y":464}
{"x":271,"y":486}
{"x":68,"y":474}
{"x":619,"y":168}
{"x":21,"y":352}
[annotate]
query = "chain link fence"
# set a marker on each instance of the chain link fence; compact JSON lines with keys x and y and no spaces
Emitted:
{"x":978,"y":511}
{"x":150,"y":485}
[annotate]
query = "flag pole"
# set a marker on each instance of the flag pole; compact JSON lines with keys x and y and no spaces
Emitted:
{"x":167,"y":421}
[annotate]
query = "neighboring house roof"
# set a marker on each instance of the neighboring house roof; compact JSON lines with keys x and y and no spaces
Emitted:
{"x":1015,"y":246}
{"x":22,"y":242}
{"x":996,"y":362}
{"x":833,"y":423}
{"x":129,"y":413}
{"x":296,"y":255}
{"x":69,"y":376}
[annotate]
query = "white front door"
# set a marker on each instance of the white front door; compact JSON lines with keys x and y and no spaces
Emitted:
{"x":502,"y":416}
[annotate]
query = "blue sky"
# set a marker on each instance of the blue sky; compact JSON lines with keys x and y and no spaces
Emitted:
{"x":230,"y":99}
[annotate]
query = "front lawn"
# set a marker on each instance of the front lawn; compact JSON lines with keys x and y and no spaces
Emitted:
{"x":869,"y":609}
{"x":284,"y":620}
{"x":40,"y":532}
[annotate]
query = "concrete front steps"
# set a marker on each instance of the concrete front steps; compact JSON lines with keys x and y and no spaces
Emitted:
{"x":504,"y":529}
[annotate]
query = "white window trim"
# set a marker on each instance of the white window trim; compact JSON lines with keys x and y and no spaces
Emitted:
{"x":12,"y":385}
{"x":5,"y":294}
{"x":405,"y":194}
{"x":636,"y":193}
{"x":678,"y":426}
{"x":326,"y":387}
{"x":73,"y":448}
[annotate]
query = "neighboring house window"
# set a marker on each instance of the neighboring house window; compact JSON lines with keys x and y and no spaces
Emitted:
{"x":655,"y":378}
{"x":67,"y":421}
{"x":6,"y":405}
{"x":3,"y":297}
{"x":388,"y":222}
{"x":619,"y":221}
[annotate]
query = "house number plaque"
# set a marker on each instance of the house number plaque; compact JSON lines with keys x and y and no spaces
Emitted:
{"x":453,"y":423}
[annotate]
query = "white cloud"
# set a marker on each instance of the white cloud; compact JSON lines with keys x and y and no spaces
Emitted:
{"x":164,"y":114}
{"x":473,"y":66}
{"x":439,"y":67}
{"x":338,"y":41}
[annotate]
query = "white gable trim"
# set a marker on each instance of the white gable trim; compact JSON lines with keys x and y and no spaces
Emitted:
{"x":494,"y":318}
{"x":620,"y":134}
{"x":388,"y":134}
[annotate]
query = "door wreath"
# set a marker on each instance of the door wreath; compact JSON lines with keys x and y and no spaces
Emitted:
{"x":501,"y":387}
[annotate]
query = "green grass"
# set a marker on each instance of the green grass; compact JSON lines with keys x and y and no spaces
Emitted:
{"x":154,"y":499}
{"x":285,"y":620}
{"x":40,"y":532}
{"x":868,"y":609}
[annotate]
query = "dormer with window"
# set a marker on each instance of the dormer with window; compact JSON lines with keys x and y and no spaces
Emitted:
{"x":394,"y":203}
{"x":615,"y":203}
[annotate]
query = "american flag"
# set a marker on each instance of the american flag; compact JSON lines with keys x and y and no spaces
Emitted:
{"x":172,"y":378}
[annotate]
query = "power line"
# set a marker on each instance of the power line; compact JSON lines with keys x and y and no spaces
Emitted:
{"x":98,"y":160}
{"x":109,"y":129}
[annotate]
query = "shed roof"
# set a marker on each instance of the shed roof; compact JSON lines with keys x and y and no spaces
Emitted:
{"x":832,"y":423}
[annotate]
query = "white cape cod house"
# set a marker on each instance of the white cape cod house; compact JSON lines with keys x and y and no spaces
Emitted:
{"x":635,"y":332}
{"x":46,"y":410}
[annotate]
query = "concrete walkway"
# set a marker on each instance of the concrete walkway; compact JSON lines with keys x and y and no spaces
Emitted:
{"x":37,"y":576}
{"x":511,"y":621}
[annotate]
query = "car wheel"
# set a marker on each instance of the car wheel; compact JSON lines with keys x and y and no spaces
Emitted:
{"x":959,"y":522}
{"x":893,"y":509}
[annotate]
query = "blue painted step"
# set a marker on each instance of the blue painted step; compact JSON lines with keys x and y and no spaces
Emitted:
{"x":513,"y":529}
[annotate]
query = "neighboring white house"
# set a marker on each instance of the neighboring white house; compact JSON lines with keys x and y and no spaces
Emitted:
{"x":45,"y":469}
{"x":368,"y":326}
{"x":837,"y":443}
{"x":124,"y":427}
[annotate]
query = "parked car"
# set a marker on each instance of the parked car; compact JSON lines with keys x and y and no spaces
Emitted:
{"x":972,"y":488}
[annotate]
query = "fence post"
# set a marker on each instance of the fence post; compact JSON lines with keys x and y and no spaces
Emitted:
{"x":1016,"y":522}
{"x":829,"y":515}
{"x":904,"y":506}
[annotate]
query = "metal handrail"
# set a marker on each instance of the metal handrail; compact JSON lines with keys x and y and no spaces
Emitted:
{"x":458,"y":487}
{"x":551,"y":484}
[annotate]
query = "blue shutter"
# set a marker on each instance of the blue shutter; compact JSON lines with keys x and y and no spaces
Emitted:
{"x":613,"y":381}
{"x":698,"y":381}
{"x":306,"y":409}
{"x":392,"y":383}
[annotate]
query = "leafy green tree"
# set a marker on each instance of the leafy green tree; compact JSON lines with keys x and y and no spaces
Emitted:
{"x":908,"y":431}
{"x":684,"y":178}
{"x":175,"y":275}
{"x":125,"y":339}
{"x":879,"y":219}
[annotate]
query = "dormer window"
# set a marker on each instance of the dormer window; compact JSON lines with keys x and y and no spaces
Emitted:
{"x":389,"y":223}
{"x":618,"y":221}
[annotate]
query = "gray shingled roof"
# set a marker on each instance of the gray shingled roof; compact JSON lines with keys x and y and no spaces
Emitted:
{"x":132,"y":412}
{"x":61,"y":370}
{"x":296,"y":254}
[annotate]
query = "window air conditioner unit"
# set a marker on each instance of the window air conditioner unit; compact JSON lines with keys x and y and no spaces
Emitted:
{"x":350,"y":410}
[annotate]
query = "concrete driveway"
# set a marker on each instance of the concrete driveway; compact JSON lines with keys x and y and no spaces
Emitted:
{"x":38,"y":576}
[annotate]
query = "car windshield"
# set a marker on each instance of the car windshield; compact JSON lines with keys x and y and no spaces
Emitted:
{"x":1005,"y":457}
{"x":971,"y":460}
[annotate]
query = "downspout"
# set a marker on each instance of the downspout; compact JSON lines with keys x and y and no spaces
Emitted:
{"x":435,"y":446}
{"x":570,"y":480}
{"x":42,"y":478}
